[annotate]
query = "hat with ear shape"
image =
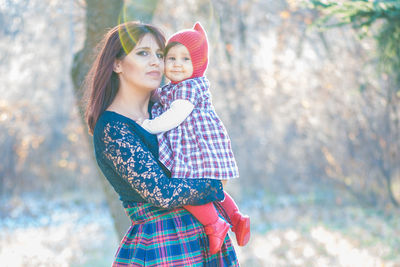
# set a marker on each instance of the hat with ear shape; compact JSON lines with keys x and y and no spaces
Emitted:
{"x":195,"y":40}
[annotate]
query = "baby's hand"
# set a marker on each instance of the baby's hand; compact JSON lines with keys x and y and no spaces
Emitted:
{"x":140,"y":121}
{"x":145,"y":123}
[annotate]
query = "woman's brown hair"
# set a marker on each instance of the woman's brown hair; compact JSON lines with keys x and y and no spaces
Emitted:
{"x":102,"y":82}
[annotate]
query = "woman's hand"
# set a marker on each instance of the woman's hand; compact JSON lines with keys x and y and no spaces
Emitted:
{"x":224,"y":182}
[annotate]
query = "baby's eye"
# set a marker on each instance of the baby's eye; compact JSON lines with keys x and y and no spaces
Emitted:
{"x":187,"y":58}
{"x":160,"y":55}
{"x":171,"y":58}
{"x":142,"y":53}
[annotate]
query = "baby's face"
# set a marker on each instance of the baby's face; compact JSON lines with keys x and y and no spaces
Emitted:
{"x":178,"y":63}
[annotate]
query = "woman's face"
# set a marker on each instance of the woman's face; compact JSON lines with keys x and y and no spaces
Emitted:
{"x":143,"y":67}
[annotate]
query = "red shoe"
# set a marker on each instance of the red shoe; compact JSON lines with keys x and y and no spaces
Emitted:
{"x":216,"y":233}
{"x":241,"y":228}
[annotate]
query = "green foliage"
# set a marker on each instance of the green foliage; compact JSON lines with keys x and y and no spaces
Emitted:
{"x":389,"y":50}
{"x":362,"y":15}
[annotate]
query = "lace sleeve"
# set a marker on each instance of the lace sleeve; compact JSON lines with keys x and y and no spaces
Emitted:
{"x":125,"y":154}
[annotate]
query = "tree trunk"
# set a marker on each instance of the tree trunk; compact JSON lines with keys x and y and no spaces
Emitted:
{"x":102,"y":15}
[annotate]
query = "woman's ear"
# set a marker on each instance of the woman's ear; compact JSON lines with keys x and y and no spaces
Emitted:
{"x":117,"y":66}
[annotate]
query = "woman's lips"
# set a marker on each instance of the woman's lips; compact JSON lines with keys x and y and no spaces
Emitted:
{"x":154,"y":73}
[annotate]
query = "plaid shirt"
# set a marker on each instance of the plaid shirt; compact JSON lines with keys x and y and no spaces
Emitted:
{"x":200,"y":146}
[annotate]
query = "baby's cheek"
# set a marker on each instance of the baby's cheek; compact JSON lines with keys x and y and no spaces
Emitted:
{"x":168,"y":66}
{"x":167,"y":73}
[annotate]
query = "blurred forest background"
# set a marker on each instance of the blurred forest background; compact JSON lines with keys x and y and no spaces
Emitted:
{"x":308,"y":90}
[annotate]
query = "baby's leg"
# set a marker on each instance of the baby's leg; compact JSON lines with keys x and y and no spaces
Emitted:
{"x":206,"y":214}
{"x":215,"y":228}
{"x":229,"y":205}
{"x":240,"y":222}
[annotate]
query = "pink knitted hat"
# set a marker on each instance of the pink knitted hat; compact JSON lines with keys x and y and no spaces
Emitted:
{"x":195,"y":40}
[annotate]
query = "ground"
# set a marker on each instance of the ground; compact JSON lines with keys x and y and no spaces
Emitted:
{"x":288,"y":230}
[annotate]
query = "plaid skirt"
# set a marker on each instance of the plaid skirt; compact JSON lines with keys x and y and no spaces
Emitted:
{"x":159,"y":237}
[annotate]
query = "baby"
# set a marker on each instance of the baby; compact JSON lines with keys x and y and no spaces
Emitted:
{"x":192,"y":139}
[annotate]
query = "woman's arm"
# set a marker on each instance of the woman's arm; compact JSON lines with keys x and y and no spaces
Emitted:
{"x":125,"y":154}
{"x":171,"y":118}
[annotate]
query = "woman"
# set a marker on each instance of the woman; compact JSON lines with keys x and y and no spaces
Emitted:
{"x":127,"y":69}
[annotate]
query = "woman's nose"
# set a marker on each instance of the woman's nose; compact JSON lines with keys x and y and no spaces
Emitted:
{"x":154,"y":60}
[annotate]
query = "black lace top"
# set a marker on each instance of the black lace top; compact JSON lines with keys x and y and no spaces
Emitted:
{"x":128,"y":157}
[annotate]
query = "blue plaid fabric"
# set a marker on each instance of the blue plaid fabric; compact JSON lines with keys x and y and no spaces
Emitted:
{"x":160,"y":237}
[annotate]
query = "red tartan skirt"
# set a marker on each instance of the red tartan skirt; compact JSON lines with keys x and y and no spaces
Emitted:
{"x":160,"y":237}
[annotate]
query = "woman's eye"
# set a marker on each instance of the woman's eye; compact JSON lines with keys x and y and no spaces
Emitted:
{"x":160,"y":55}
{"x":186,"y":58}
{"x":171,"y":58}
{"x":142,"y":53}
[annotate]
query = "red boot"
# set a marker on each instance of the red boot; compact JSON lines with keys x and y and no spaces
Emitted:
{"x":241,"y":228}
{"x":216,"y":233}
